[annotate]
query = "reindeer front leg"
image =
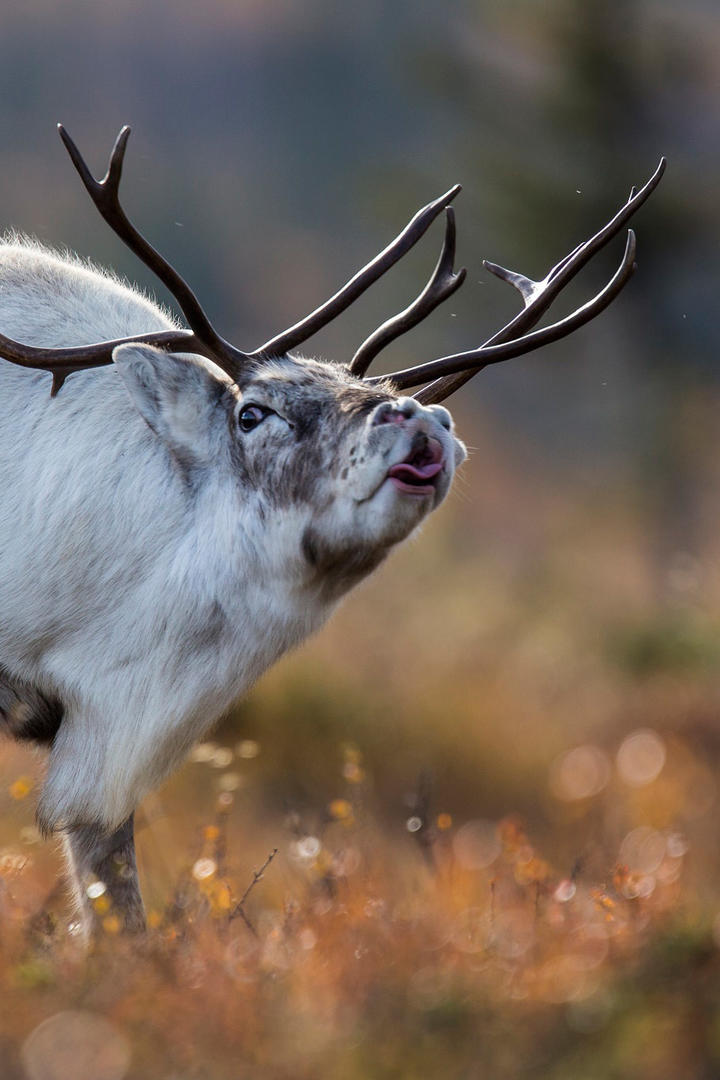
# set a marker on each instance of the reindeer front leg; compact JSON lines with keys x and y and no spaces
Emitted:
{"x":95,"y":855}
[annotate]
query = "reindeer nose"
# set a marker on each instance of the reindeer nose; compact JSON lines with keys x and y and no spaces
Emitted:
{"x":396,"y":412}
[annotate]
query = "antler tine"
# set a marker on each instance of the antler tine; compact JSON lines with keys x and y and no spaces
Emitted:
{"x":441,"y":285}
{"x":493,"y":354}
{"x":529,"y":289}
{"x":105,"y":194}
{"x":356,"y":286}
{"x":537,"y":297}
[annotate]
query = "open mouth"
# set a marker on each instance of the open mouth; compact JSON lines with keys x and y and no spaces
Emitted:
{"x":418,"y":474}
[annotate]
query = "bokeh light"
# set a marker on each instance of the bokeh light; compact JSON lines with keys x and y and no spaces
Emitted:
{"x":476,"y":844}
{"x":76,"y":1043}
{"x":204,"y":869}
{"x":580,"y":773}
{"x":641,"y":757}
{"x":643,"y":850}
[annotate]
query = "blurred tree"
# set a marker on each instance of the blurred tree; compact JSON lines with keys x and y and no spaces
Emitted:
{"x":577,"y":93}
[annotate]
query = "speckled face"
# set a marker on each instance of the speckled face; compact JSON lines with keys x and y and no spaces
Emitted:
{"x":360,"y":466}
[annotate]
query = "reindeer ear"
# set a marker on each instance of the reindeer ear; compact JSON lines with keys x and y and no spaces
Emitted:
{"x":177,"y":396}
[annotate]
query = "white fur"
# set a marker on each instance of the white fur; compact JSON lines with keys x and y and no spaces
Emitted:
{"x":139,"y":582}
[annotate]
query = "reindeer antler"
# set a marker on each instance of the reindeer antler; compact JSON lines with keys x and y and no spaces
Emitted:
{"x":441,"y":285}
{"x":416,"y":227}
{"x":105,"y":194}
{"x":449,"y":372}
{"x":202,"y":338}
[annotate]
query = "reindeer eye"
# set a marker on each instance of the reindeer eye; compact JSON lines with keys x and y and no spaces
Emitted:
{"x":251,"y":415}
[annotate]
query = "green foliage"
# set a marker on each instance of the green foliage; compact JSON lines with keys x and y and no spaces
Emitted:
{"x":670,"y":644}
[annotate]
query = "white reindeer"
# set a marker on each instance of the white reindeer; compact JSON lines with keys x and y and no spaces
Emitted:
{"x":172,"y":524}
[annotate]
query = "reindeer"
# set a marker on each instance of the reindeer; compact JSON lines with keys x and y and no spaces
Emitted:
{"x":172,"y":524}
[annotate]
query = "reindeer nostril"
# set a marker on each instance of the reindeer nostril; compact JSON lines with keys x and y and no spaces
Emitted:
{"x":383,"y":413}
{"x":393,"y":412}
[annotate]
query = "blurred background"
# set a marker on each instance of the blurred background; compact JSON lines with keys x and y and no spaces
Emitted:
{"x":548,"y":648}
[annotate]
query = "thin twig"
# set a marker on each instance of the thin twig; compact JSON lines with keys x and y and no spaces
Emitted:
{"x":239,"y":911}
{"x":239,"y":907}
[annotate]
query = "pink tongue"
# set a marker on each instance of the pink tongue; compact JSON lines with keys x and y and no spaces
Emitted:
{"x":415,"y":472}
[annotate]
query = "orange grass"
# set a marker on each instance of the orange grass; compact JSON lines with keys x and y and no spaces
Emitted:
{"x":419,"y":947}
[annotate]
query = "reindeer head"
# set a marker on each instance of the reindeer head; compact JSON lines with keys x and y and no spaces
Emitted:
{"x":359,"y":466}
{"x":321,"y":473}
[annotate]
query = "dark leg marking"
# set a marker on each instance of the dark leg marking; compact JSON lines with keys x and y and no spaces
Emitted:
{"x":94,"y":855}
